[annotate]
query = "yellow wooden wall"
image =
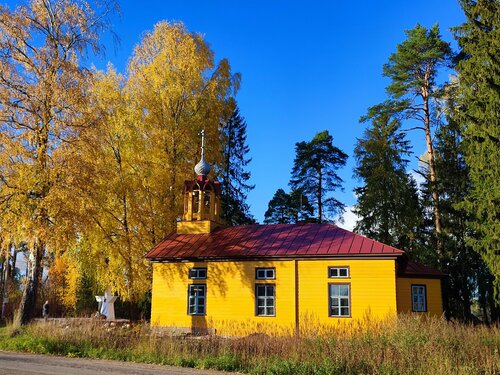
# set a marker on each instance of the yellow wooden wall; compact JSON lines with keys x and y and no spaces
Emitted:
{"x":433,"y":290}
{"x":230,"y":302}
{"x":372,"y":287}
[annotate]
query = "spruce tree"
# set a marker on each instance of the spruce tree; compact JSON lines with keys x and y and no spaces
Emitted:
{"x":300,"y":208}
{"x":413,"y":69}
{"x":314,"y":173}
{"x":468,"y":276}
{"x":290,"y":208}
{"x":235,"y":176}
{"x":278,"y":209}
{"x":460,"y":262}
{"x":388,"y":204}
{"x":479,"y":92}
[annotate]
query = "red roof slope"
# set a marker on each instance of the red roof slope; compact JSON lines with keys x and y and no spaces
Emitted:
{"x":414,"y":269}
{"x":269,"y":241}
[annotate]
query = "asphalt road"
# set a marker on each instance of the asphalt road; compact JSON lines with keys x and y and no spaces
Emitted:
{"x":30,"y":364}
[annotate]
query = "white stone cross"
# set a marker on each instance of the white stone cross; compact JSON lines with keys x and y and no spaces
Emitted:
{"x":107,"y":304}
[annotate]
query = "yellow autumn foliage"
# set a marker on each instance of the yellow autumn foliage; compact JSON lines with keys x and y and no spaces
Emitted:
{"x":64,"y":281}
{"x":43,"y":107}
{"x":142,"y":149}
{"x":92,"y":164}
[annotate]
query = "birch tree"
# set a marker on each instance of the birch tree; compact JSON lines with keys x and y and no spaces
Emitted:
{"x":143,"y":148}
{"x":177,"y":89}
{"x":42,"y":107}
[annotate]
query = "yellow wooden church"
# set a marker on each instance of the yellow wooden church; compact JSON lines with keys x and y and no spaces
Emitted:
{"x":277,"y":278}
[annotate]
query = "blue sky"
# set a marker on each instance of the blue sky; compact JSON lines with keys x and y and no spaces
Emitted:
{"x":306,"y":67}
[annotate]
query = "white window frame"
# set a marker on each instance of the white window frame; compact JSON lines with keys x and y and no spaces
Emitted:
{"x":195,"y":307}
{"x":265,"y":301}
{"x":418,"y":297}
{"x":194,"y":273}
{"x":335,"y":272}
{"x":266,"y":273}
{"x":339,"y":305}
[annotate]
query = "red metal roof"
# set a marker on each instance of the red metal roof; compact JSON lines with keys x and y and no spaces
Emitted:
{"x":414,"y":269}
{"x":201,"y":183}
{"x":269,"y":241}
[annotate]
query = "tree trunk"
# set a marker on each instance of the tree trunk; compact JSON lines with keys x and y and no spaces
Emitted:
{"x":319,"y":195}
{"x":466,"y":291}
{"x":27,"y":306}
{"x":492,"y":304}
{"x":432,"y":176}
{"x":28,"y":302}
{"x":7,"y":275}
{"x":129,"y":270}
{"x":3,"y":282}
{"x":173,"y":165}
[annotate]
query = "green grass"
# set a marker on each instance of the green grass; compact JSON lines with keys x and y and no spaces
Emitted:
{"x":408,"y":346}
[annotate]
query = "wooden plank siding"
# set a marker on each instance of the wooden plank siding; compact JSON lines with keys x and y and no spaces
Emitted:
{"x":230,"y":304}
{"x":372,"y":289}
{"x":433,"y":291}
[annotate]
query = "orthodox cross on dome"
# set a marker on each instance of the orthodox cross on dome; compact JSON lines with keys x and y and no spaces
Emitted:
{"x":202,"y":168}
{"x":202,"y":133}
{"x":107,"y":304}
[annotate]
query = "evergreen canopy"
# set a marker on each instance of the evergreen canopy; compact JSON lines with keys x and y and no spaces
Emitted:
{"x":314,"y":173}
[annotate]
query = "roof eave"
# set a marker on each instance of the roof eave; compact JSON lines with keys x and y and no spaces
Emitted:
{"x":274,"y":258}
{"x":422,"y":276}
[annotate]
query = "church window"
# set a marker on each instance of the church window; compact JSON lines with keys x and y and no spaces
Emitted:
{"x":265,"y":300}
{"x":196,"y":201}
{"x":418,"y":298}
{"x":339,"y":300}
{"x":197,"y":299}
{"x":265,"y":273}
{"x":197,"y":273}
{"x":206,"y":201}
{"x":338,"y":272}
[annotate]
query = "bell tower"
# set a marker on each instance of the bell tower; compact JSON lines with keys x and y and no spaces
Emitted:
{"x":201,"y":200}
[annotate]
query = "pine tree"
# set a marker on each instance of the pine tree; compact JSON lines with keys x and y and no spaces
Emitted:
{"x":479,"y":82}
{"x":290,"y":208}
{"x":388,"y":204}
{"x":314,"y":174}
{"x":413,"y":69}
{"x":235,"y":176}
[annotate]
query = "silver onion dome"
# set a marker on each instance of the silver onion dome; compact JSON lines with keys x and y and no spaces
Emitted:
{"x":202,"y":168}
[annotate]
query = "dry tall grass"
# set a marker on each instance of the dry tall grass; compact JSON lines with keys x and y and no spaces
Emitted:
{"x":409,"y":345}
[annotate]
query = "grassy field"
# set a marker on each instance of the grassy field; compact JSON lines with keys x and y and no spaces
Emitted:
{"x":408,"y":346}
